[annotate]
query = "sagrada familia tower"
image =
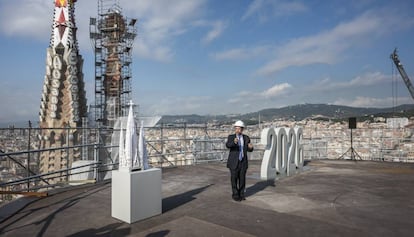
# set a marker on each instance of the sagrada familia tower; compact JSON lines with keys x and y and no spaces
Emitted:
{"x":63,"y":102}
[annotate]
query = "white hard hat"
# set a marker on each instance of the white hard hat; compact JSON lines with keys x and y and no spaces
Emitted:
{"x":239,"y":123}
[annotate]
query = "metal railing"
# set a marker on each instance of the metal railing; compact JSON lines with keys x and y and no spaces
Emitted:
{"x":376,"y":144}
{"x":177,"y":145}
{"x":20,"y":156}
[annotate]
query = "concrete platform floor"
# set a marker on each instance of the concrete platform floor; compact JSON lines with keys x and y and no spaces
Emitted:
{"x":331,"y":198}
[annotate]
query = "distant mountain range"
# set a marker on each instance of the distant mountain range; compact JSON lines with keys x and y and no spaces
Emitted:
{"x":296,"y":112}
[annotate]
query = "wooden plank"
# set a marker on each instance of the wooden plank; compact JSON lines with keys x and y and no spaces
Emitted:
{"x":36,"y":194}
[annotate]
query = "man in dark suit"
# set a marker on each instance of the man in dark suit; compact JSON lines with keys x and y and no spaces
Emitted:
{"x":239,"y":144}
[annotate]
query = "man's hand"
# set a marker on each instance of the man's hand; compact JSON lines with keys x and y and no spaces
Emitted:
{"x":236,"y":140}
{"x":250,"y":145}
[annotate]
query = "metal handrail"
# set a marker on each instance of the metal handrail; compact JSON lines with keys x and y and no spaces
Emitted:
{"x":46,"y":149}
{"x":20,"y":164}
{"x":24,"y":180}
{"x":324,"y":147}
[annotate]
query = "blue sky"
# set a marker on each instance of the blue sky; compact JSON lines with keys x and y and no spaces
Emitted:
{"x":225,"y":57}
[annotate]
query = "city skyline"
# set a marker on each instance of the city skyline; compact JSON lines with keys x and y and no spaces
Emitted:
{"x":211,"y":57}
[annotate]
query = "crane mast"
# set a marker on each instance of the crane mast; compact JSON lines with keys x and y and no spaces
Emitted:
{"x":398,"y":64}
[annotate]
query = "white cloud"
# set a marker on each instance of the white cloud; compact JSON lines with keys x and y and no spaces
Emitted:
{"x":242,"y":96}
{"x":254,"y":7}
{"x":329,"y":46}
{"x":231,"y":54}
{"x":26,"y":18}
{"x":243,"y":53}
{"x":366,"y":79}
{"x":276,"y":90}
{"x":217,"y":29}
{"x":271,"y":8}
{"x":158,"y":53}
{"x":159,"y":22}
{"x":371,"y":78}
{"x":326,"y":47}
{"x":180,"y":105}
{"x":313,"y":56}
{"x":33,"y":19}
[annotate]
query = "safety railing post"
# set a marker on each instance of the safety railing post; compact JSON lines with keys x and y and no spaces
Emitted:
{"x":95,"y":158}
{"x":28,"y":156}
{"x":67,"y":152}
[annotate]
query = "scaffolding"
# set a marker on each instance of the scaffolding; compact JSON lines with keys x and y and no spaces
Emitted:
{"x":112,"y":37}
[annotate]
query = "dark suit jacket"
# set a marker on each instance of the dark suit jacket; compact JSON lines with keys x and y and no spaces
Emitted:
{"x":233,"y":159}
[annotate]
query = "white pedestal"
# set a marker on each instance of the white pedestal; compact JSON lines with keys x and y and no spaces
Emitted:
{"x":87,"y":172}
{"x":136,"y":195}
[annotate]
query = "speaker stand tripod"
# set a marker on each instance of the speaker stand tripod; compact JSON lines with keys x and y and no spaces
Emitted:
{"x":354,"y":153}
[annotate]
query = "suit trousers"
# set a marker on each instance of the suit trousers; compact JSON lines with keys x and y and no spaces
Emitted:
{"x":238,"y":179}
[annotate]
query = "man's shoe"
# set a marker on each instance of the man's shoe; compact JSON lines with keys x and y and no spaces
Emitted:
{"x":237,"y":199}
{"x":242,"y":198}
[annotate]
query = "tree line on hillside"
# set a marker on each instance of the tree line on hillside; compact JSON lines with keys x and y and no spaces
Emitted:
{"x":297,"y":113}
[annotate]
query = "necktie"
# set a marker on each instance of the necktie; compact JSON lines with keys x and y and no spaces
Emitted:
{"x":240,"y":148}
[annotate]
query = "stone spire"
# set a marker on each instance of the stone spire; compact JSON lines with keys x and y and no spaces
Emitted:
{"x":63,"y":102}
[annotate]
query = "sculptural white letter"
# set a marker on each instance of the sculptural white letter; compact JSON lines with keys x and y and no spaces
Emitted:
{"x":283,"y":152}
{"x":268,"y":167}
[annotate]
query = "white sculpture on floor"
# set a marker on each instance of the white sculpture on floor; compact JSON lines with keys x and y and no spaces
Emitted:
{"x":142,"y":149}
{"x":136,"y":188}
{"x":128,"y":144}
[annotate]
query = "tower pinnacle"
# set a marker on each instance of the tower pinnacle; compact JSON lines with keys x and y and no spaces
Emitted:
{"x":63,"y":102}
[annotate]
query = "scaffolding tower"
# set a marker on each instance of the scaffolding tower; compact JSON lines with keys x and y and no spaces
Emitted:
{"x":112,"y":37}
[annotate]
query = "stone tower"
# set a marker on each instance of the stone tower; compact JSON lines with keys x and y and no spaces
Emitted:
{"x":63,"y":102}
{"x":112,"y":35}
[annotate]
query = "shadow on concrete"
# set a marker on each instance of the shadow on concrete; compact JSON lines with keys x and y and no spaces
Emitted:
{"x":109,"y":230}
{"x":9,"y":209}
{"x":181,"y":199}
{"x":259,"y":186}
{"x":47,"y":220}
{"x":69,"y":202}
{"x":160,"y":233}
